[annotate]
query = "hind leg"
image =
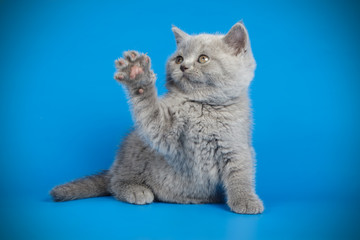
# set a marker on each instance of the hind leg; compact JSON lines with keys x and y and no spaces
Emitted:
{"x":132,"y":193}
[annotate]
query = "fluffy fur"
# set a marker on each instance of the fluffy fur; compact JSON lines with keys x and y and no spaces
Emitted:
{"x":194,"y":144}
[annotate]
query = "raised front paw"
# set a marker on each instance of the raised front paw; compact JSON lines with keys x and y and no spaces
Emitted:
{"x":134,"y":69}
{"x":246,"y":205}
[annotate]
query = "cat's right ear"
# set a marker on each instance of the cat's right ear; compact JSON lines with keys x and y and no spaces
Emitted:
{"x":179,"y":34}
{"x":237,"y":38}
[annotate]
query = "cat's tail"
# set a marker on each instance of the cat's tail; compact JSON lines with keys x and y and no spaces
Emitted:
{"x":86,"y":187}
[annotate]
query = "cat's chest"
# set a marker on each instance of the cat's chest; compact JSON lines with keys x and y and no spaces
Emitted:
{"x":205,"y":123}
{"x":203,"y":133}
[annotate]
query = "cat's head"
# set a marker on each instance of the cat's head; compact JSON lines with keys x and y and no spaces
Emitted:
{"x":211,"y":68}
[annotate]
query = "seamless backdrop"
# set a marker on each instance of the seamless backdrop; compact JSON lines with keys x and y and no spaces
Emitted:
{"x":63,"y":116}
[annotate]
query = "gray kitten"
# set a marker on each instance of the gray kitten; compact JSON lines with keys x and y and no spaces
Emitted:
{"x":194,"y":144}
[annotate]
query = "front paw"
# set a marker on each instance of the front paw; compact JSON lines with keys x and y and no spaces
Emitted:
{"x":246,"y":205}
{"x":134,"y":69}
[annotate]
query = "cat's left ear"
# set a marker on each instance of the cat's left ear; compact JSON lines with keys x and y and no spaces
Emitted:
{"x":237,"y":38}
{"x":179,"y":34}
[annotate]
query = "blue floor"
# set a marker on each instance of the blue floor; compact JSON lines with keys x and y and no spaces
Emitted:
{"x":106,"y":218}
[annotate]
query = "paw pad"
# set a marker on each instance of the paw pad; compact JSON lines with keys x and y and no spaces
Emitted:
{"x":119,"y":76}
{"x":135,"y":70}
{"x":131,"y":66}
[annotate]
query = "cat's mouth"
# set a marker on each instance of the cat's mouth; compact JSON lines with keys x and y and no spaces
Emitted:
{"x":186,"y":77}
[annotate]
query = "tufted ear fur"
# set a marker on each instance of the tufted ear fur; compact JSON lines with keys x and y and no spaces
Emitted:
{"x":179,"y":34}
{"x":237,"y":38}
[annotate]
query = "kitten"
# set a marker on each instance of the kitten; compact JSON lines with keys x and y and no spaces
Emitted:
{"x":194,"y":144}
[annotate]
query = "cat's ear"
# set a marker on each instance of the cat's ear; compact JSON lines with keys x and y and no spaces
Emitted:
{"x":179,"y":34}
{"x":237,"y":37}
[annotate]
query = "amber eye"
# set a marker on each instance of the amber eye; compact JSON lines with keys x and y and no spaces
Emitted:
{"x":203,"y":59}
{"x":179,"y":59}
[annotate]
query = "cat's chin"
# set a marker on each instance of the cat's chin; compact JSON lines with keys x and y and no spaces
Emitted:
{"x":193,"y":82}
{"x":188,"y":84}
{"x":183,"y":78}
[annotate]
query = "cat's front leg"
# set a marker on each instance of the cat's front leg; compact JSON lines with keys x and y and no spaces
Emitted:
{"x":238,"y":180}
{"x":153,"y":117}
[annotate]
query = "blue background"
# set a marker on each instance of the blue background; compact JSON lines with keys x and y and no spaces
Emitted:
{"x":63,"y":116}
